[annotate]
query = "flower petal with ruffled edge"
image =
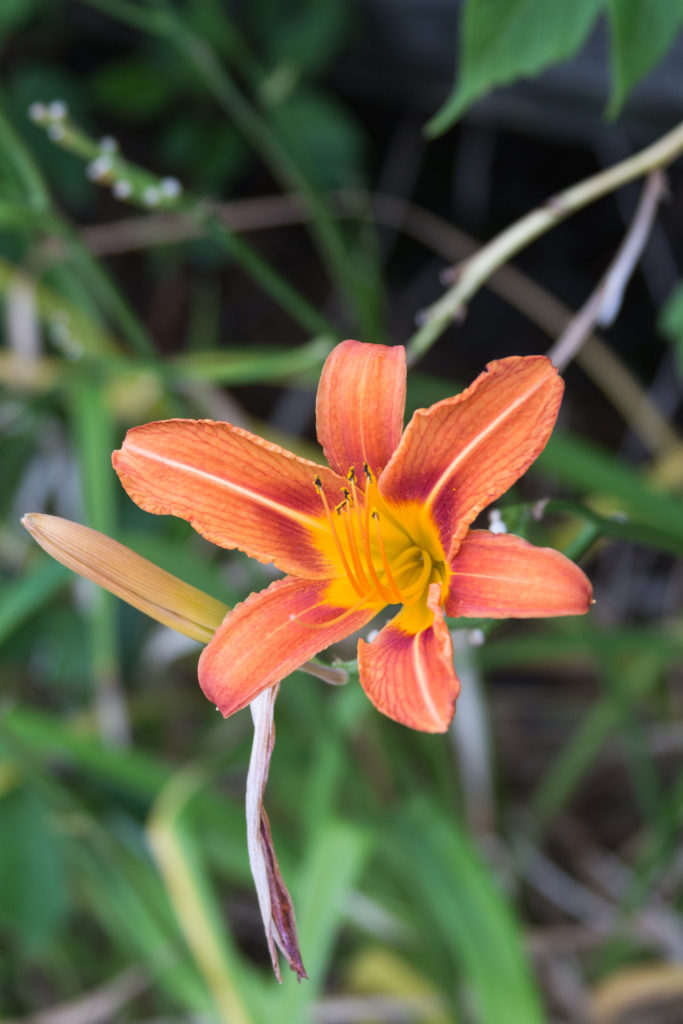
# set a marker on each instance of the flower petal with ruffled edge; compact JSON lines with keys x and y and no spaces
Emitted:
{"x":360,"y":406}
{"x":408,"y":674}
{"x":497,"y":576}
{"x":458,"y":456}
{"x":270,"y":635}
{"x":236,"y":489}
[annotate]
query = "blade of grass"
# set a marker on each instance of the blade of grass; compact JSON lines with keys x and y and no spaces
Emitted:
{"x":329,"y":870}
{"x":37,"y":196}
{"x":94,"y":439}
{"x":124,"y":891}
{"x":586,"y":466}
{"x":455,"y":894}
{"x":588,"y":741}
{"x":195,"y":905}
{"x":251,"y":366}
{"x":122,"y":895}
{"x":135,"y":775}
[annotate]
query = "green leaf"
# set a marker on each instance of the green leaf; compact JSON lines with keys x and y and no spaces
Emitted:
{"x":322,"y":136}
{"x":32,"y":880}
{"x":642,"y":31}
{"x":24,"y":596}
{"x":14,"y":14}
{"x":304,"y":36}
{"x":502,"y":40}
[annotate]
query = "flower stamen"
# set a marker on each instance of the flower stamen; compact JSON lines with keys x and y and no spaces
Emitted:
{"x":330,"y":519}
{"x":364,"y":530}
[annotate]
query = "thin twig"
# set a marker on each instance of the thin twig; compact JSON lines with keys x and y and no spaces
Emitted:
{"x":603,"y":305}
{"x":514,"y":287}
{"x":468,"y":277}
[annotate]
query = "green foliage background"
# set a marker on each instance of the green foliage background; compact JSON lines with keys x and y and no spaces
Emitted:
{"x":420,"y":891}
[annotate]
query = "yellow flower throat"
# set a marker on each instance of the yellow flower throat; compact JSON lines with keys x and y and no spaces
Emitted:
{"x":385,"y":553}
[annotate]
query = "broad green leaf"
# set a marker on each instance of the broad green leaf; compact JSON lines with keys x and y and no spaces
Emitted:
{"x":642,"y":32}
{"x":33,"y":897}
{"x":503,"y":40}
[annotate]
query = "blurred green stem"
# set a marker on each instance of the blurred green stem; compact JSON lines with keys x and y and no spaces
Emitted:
{"x":204,"y":214}
{"x":163,"y":21}
{"x":469,"y":276}
{"x":46,"y":218}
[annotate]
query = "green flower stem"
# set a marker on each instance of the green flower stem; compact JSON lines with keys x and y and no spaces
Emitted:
{"x":470,"y":275}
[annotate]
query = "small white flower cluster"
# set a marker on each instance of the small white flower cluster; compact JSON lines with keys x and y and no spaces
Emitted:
{"x":105,"y":168}
{"x":52,"y":116}
{"x":168,"y":188}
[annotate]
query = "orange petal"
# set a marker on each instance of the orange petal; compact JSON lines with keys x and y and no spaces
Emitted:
{"x":360,"y":406}
{"x":463,"y":453}
{"x":270,"y":635}
{"x":236,"y":489}
{"x":410,"y":676}
{"x":499,"y":576}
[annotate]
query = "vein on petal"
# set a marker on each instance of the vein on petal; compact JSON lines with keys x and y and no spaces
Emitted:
{"x":491,"y":427}
{"x":230,"y":485}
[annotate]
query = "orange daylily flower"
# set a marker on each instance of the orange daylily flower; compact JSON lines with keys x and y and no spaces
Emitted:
{"x":387,"y":524}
